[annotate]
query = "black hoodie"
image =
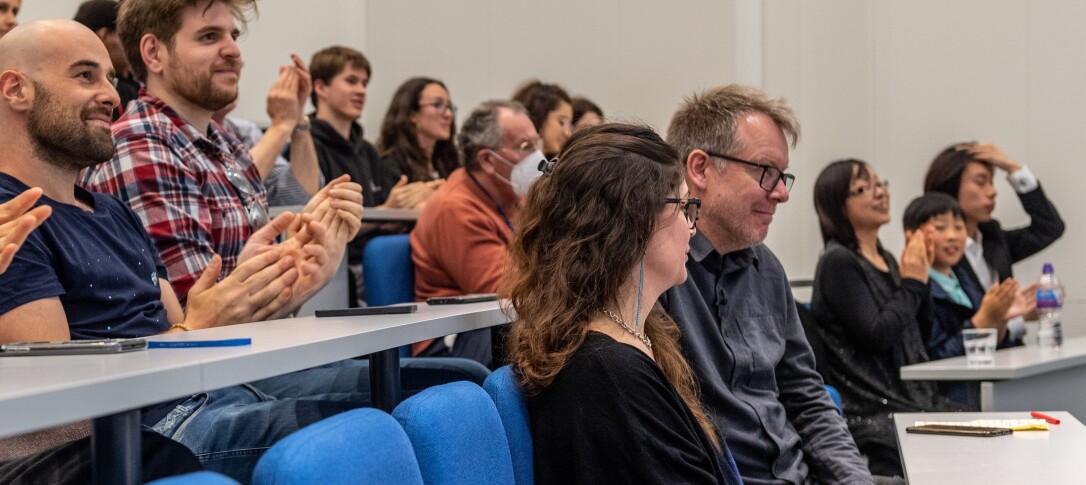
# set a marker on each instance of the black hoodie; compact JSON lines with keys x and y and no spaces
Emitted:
{"x":356,"y":157}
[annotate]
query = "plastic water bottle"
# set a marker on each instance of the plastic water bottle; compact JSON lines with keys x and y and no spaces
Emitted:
{"x":1049,"y":304}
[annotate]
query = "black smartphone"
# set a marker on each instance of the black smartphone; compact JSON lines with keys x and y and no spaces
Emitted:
{"x":369,"y":310}
{"x":958,"y":430}
{"x":454,"y":300}
{"x":73,"y":347}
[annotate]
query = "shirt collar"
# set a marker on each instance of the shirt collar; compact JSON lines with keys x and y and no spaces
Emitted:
{"x":702,"y":251}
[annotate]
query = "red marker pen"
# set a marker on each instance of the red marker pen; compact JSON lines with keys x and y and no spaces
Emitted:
{"x":1045,"y":417}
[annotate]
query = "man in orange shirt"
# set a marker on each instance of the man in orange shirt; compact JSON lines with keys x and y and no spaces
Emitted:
{"x":459,"y":243}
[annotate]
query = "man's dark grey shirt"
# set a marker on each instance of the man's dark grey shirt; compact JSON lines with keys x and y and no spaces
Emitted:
{"x":742,"y":336}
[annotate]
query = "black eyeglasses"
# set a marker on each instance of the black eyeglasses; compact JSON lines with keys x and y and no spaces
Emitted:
{"x":256,"y":214}
{"x":440,"y":106}
{"x":690,"y":206}
{"x":863,"y":189}
{"x":770,"y":175}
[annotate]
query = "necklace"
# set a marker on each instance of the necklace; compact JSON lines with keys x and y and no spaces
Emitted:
{"x":615,"y":318}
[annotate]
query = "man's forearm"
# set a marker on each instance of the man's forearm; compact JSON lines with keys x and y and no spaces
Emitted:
{"x":269,"y":147}
{"x":303,"y":161}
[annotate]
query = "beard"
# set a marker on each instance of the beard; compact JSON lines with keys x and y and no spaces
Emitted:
{"x":199,"y":89}
{"x":62,"y":138}
{"x":730,"y":222}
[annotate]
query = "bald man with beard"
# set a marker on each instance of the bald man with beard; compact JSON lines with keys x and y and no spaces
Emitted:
{"x":39,"y":147}
{"x":91,"y":270}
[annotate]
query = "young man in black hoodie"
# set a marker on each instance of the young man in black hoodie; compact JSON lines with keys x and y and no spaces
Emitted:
{"x":340,"y":76}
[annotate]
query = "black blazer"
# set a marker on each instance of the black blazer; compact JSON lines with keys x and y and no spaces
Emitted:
{"x":1003,"y":248}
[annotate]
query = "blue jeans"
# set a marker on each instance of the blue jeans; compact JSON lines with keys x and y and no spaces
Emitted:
{"x":229,"y":429}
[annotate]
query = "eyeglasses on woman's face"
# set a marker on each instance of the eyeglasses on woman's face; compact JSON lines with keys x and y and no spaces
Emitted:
{"x":691,"y":207}
{"x":439,"y":106}
{"x":870,"y":188}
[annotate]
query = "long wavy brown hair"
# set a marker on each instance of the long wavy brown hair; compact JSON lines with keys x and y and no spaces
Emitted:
{"x":583,"y":228}
{"x":398,"y":134}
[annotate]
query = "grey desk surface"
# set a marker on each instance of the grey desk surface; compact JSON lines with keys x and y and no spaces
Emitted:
{"x":1013,"y":363}
{"x":371,"y":214}
{"x":38,"y":392}
{"x":1048,"y":457}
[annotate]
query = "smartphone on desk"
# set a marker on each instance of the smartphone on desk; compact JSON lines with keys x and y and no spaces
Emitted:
{"x":458,"y":299}
{"x":73,"y":347}
{"x":368,"y":310}
{"x":958,"y":430}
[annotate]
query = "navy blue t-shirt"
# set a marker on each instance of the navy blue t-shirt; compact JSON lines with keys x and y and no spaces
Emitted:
{"x":102,"y":265}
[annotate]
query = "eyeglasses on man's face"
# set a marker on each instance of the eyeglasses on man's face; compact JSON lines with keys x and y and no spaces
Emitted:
{"x":690,"y":206}
{"x":770,"y":177}
{"x":870,"y":188}
{"x":440,"y":106}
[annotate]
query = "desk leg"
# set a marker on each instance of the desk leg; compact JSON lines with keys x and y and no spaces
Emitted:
{"x":117,"y":453}
{"x":385,"y":379}
{"x":987,"y":397}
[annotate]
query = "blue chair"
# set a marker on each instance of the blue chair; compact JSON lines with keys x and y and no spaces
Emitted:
{"x":387,"y":270}
{"x":197,"y":478}
{"x":361,"y":446}
{"x":513,"y":409}
{"x":457,"y":435}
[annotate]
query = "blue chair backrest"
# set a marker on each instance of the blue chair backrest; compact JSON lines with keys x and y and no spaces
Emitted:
{"x":361,"y":446}
{"x":196,"y":478}
{"x":387,"y":271}
{"x":513,"y":409}
{"x":457,"y":435}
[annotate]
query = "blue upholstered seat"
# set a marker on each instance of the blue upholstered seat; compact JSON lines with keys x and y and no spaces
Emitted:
{"x":197,"y":478}
{"x":361,"y":446}
{"x":513,"y":409}
{"x":457,"y":435}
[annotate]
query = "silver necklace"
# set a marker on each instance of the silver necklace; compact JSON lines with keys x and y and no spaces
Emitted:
{"x":615,"y":318}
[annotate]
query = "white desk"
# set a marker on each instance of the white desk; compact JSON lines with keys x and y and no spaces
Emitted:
{"x":1022,"y":379}
{"x":1050,"y":457}
{"x":39,"y":392}
{"x":371,"y":214}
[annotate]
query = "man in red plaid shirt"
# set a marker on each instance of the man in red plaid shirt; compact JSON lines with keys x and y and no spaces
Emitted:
{"x":194,"y":186}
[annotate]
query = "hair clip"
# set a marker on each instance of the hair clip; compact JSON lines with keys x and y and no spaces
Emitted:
{"x":546,"y":166}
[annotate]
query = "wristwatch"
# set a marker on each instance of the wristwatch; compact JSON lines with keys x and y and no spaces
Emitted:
{"x":304,"y":124}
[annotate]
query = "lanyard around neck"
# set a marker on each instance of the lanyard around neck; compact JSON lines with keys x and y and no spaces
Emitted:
{"x":501,"y":211}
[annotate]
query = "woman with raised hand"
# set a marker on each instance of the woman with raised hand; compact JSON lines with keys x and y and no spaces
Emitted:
{"x":870,"y":310}
{"x":602,"y":234}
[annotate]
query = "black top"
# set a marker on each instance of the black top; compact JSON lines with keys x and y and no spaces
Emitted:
{"x":870,"y":322}
{"x":1003,"y":248}
{"x":741,"y":334}
{"x":611,"y":416}
{"x":358,"y":158}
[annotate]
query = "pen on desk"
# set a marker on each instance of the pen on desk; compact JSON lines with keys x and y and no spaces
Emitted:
{"x":186,"y":344}
{"x":1045,"y":417}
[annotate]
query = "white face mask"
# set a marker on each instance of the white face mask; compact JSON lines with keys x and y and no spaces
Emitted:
{"x":524,"y":172}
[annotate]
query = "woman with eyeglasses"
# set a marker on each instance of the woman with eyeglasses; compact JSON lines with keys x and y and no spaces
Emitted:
{"x":551,"y":110}
{"x":601,"y":235}
{"x":418,"y":131}
{"x":870,"y":310}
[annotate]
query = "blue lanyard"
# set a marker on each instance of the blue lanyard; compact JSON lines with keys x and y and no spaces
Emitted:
{"x":501,"y":211}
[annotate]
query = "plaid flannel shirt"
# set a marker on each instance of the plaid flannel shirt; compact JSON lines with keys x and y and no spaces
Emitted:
{"x":175,"y":179}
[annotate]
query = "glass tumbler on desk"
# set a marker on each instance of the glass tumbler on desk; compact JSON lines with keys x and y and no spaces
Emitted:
{"x":980,"y":346}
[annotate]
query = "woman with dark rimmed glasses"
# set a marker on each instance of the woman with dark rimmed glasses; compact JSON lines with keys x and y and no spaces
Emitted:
{"x":602,"y":234}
